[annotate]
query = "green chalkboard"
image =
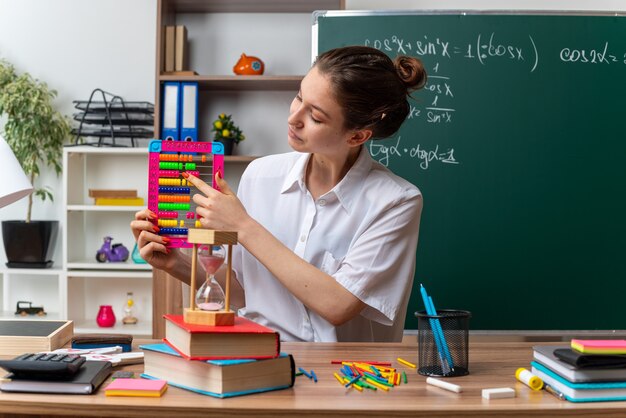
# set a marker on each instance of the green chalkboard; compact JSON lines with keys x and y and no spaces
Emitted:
{"x":518,"y":144}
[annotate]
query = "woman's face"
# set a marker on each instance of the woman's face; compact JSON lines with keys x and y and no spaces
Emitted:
{"x":315,"y":118}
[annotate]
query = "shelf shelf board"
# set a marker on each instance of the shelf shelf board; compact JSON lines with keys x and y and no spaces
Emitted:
{"x":241,"y":82}
{"x":259,"y":6}
{"x":103,"y":208}
{"x":239,"y":158}
{"x":102,"y":269}
{"x":85,"y":149}
{"x":51,"y":316}
{"x":31,"y":272}
{"x":143,"y":328}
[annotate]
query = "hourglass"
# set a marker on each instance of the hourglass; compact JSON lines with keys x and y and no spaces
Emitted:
{"x":210,"y":305}
{"x":210,"y":296}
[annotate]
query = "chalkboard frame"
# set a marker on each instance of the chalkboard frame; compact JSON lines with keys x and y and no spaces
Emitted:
{"x":566,"y":328}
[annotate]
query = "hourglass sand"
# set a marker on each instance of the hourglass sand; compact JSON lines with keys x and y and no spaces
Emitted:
{"x":195,"y":314}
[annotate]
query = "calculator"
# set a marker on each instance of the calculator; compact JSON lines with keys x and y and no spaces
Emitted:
{"x":43,"y":365}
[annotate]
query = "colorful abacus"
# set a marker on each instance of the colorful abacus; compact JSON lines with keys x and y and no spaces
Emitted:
{"x":169,"y":194}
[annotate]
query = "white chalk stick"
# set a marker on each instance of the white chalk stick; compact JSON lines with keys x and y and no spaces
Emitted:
{"x":498,"y":393}
{"x":444,"y":385}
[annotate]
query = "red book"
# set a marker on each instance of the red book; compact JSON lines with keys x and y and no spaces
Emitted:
{"x":245,"y":339}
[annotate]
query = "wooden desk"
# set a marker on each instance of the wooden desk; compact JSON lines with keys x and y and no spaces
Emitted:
{"x":491,"y":365}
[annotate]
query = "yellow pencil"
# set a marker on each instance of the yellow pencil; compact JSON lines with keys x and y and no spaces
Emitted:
{"x":338,"y":378}
{"x":406,"y":363}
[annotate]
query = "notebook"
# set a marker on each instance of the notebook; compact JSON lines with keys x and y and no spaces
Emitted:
{"x":545,"y":355}
{"x":86,"y":381}
{"x":581,"y":392}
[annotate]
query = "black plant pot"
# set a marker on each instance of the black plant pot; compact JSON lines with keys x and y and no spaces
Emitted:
{"x":29,"y":244}
{"x":228,"y":145}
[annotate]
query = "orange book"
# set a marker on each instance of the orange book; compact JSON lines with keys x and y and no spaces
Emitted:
{"x":245,"y":339}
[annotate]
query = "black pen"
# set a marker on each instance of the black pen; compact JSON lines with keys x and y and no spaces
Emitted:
{"x":553,"y":391}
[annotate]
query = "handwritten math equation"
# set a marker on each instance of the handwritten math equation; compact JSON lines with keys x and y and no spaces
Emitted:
{"x":383,"y":153}
{"x":483,"y":48}
{"x":439,"y":107}
{"x":486,"y":48}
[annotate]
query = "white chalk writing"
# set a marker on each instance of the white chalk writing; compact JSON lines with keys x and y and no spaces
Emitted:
{"x":385,"y":152}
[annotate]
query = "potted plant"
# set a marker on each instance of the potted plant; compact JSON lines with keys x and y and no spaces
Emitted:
{"x":227,"y":132}
{"x":35,"y":131}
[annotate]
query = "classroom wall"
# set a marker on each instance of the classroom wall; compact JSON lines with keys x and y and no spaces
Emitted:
{"x":76,"y":46}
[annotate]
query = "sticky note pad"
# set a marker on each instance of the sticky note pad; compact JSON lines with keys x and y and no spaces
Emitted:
{"x":498,"y":393}
{"x":136,"y":387}
{"x":600,"y":346}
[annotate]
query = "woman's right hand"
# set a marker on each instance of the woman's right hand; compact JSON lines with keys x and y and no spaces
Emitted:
{"x":152,"y":247}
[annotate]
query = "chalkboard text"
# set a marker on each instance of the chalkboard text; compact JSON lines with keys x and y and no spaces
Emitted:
{"x":481,"y":49}
{"x":383,"y":153}
{"x":591,"y":56}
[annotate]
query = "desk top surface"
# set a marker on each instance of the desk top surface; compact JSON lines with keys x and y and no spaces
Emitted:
{"x":491,"y":365}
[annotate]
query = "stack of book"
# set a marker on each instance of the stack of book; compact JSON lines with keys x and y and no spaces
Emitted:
{"x":220,"y":361}
{"x":586,"y":371}
{"x":115,"y":197}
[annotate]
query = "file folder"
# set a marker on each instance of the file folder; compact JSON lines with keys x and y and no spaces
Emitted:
{"x":171,"y":101}
{"x":189,"y":112}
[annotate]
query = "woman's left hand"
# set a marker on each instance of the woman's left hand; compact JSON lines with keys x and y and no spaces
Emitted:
{"x":219,"y":210}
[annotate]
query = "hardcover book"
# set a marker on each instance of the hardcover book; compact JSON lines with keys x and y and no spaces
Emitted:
{"x":581,"y":392}
{"x":85,"y":381}
{"x":245,"y":339}
{"x":18,"y":336}
{"x":545,"y":355}
{"x":218,"y":378}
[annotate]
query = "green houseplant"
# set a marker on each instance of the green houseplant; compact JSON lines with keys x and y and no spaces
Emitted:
{"x":36,"y":132}
{"x":226,"y":132}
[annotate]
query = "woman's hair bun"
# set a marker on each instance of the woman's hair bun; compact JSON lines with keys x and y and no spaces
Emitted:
{"x":411,"y":71}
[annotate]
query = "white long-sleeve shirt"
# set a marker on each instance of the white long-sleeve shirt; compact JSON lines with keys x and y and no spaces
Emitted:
{"x":363,"y":233}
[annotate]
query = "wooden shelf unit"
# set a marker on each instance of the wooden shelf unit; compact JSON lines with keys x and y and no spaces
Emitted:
{"x":167,"y":294}
{"x":86,"y":283}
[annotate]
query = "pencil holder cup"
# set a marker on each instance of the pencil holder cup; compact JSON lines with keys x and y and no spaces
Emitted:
{"x":443,"y":348}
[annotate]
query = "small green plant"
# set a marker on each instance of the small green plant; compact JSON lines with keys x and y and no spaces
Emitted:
{"x":225,"y":129}
{"x":34,"y":130}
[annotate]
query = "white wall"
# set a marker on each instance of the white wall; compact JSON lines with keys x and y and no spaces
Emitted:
{"x":78,"y":45}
